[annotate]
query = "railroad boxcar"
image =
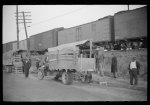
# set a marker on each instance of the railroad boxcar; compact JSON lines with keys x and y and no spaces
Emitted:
{"x":23,"y":44}
{"x":50,"y":38}
{"x":14,"y":46}
{"x":130,"y":28}
{"x":44,"y":40}
{"x":131,"y":24}
{"x":8,"y":46}
{"x":4,"y":48}
{"x":36,"y":42}
{"x":100,"y":30}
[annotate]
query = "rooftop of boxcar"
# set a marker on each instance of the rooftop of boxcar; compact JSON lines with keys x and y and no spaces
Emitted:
{"x":121,"y":12}
{"x":10,"y":42}
{"x":88,"y":22}
{"x":46,"y":31}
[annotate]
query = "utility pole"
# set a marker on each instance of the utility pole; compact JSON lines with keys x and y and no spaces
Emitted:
{"x":128,"y":7}
{"x":24,"y":21}
{"x":17,"y":27}
{"x":90,"y":48}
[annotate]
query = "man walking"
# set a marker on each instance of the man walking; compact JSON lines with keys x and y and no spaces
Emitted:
{"x":23,"y":63}
{"x":134,"y":68}
{"x":27,"y":65}
{"x":114,"y":66}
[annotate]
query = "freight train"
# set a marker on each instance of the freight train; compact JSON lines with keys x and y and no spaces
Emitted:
{"x":125,"y":30}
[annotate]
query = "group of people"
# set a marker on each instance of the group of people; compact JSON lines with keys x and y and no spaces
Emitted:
{"x":27,"y":64}
{"x":134,"y":66}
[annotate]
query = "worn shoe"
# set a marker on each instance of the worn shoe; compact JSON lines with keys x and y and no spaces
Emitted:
{"x":131,"y":84}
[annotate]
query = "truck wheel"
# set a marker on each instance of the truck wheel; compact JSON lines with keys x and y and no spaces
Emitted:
{"x":40,"y":75}
{"x":66,"y":78}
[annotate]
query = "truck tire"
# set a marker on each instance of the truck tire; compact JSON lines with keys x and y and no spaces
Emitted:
{"x":40,"y":75}
{"x":66,"y":78}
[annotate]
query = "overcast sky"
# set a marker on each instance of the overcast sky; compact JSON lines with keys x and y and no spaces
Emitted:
{"x":47,"y":17}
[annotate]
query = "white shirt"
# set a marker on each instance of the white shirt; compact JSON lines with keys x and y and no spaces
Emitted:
{"x":133,"y":65}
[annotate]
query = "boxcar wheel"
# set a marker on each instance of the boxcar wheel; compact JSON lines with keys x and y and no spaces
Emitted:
{"x":66,"y":78}
{"x":40,"y":75}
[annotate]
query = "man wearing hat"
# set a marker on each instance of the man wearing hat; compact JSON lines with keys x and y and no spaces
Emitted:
{"x":134,"y":68}
{"x":114,"y":66}
{"x":27,"y":65}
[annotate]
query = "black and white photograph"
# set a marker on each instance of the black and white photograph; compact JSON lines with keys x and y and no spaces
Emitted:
{"x":74,"y":53}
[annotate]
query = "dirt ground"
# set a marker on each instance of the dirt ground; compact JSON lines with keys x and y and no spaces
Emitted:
{"x":18,"y":88}
{"x":124,"y":58}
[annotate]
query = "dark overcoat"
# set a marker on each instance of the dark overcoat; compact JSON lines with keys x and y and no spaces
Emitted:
{"x":114,"y":65}
{"x":27,"y":65}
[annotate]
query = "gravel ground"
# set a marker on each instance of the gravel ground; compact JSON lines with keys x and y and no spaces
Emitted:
{"x":18,"y":88}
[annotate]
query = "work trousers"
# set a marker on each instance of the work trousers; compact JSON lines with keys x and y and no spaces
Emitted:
{"x":133,"y":76}
{"x":23,"y":69}
{"x":26,"y":72}
{"x":115,"y":74}
{"x":100,"y":69}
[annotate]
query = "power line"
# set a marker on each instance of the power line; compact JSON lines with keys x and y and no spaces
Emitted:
{"x":58,"y":16}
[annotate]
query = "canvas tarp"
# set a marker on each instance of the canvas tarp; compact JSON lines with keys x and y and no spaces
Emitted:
{"x":71,"y":46}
